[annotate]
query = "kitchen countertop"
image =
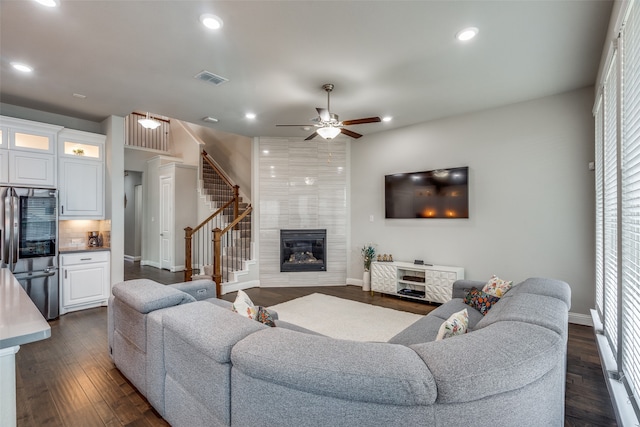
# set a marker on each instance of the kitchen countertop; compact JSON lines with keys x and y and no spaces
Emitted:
{"x":74,"y":249}
{"x":20,"y":320}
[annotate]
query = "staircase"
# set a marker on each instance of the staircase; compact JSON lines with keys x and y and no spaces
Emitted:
{"x":221,"y":244}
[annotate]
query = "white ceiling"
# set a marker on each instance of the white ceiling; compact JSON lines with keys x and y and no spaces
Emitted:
{"x":397,"y":58}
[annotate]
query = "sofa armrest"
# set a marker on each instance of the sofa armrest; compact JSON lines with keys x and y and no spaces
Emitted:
{"x":199,"y":289}
{"x":460,"y":287}
{"x":144,"y":295}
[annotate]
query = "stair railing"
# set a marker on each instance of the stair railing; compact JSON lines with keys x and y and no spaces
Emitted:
{"x":230,"y":248}
{"x":226,"y":252}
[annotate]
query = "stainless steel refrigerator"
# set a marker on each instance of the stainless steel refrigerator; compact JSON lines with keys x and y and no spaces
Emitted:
{"x":29,"y":243}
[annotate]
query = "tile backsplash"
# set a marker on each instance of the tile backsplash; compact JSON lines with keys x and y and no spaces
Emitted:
{"x":73,"y":233}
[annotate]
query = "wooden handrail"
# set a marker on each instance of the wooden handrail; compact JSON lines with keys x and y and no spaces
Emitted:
{"x":213,"y":215}
{"x":238,"y":219}
{"x":215,"y":168}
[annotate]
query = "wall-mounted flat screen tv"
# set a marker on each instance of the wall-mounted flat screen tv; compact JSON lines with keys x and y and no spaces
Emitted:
{"x":441,"y":193}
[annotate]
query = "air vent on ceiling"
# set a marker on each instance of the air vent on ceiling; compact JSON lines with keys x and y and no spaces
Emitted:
{"x":209,"y":77}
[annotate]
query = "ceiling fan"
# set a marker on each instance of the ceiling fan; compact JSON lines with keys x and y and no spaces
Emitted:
{"x":329,"y":125}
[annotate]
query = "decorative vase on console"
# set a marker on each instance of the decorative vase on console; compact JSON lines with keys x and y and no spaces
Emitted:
{"x":368,"y":252}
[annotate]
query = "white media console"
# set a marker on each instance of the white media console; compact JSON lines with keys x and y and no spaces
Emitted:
{"x":423,"y":282}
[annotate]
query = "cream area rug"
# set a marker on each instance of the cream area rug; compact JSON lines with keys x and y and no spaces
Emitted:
{"x":344,"y":319}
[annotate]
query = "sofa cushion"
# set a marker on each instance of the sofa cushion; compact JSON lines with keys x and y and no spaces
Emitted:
{"x":145,"y":295}
{"x":454,"y":325}
{"x":423,"y":330}
{"x":497,"y":287}
{"x":453,"y":306}
{"x":493,"y":360}
{"x":350,"y":370}
{"x":549,"y":287}
{"x":480,"y":300}
{"x":545,"y":311}
{"x":210,"y":329}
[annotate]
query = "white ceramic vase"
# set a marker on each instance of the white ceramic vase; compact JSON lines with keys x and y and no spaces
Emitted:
{"x":366,"y":281}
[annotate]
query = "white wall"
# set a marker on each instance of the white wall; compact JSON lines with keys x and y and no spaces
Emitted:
{"x":531,"y":193}
{"x":113,"y":127}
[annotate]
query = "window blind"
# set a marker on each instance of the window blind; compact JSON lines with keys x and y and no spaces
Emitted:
{"x":630,"y":197}
{"x":610,"y":212}
{"x":599,"y":226}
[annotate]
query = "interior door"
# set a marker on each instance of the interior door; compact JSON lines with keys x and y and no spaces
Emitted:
{"x":166,"y":210}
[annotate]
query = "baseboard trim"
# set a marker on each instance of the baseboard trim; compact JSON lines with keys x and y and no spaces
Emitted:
{"x":354,"y":282}
{"x":580,"y":319}
{"x":233,"y":287}
{"x":132,"y":258}
{"x":150,"y":263}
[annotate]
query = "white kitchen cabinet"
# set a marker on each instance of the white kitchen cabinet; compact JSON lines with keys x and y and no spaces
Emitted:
{"x":32,"y":169}
{"x":84,"y":280}
{"x":81,"y":175}
{"x":4,"y":166}
{"x":30,"y":148}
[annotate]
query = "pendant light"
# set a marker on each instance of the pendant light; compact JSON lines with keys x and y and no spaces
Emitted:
{"x":149,"y":123}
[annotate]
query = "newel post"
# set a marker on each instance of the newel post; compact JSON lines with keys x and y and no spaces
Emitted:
{"x":217,"y":260}
{"x":188,"y":271}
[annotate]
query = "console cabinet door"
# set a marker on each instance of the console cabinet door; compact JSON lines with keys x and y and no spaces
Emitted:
{"x":81,"y":189}
{"x":384,"y":278}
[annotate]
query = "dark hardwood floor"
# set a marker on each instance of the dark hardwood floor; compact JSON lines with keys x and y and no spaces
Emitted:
{"x":69,"y":379}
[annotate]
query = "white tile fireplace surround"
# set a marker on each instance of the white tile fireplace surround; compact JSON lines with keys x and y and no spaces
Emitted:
{"x":302,"y":185}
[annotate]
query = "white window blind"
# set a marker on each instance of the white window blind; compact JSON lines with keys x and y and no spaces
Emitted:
{"x":630,"y":195}
{"x":599,"y":226}
{"x":610,"y":211}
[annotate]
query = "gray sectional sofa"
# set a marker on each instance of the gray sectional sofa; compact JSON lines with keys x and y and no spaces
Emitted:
{"x":200,"y":364}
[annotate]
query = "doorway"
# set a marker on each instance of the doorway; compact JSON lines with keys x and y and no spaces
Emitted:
{"x":133,"y":216}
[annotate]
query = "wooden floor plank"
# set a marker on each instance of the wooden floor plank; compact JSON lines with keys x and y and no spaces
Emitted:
{"x":69,"y":379}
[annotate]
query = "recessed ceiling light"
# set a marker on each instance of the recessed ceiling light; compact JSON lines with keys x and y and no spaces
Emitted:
{"x":49,"y":3}
{"x":387,"y":118}
{"x":467,"y":34}
{"x":210,"y":119}
{"x":22,"y":67}
{"x":210,"y":21}
{"x":79,"y":96}
{"x":250,"y":116}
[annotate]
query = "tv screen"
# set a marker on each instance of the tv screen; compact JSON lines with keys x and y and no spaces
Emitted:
{"x":441,"y":193}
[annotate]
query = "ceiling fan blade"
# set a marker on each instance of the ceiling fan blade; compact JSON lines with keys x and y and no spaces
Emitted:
{"x":350,"y":133}
{"x":310,"y":137}
{"x":324,"y":114}
{"x":361,"y":121}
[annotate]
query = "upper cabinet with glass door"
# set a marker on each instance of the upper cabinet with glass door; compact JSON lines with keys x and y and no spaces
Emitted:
{"x":81,"y":174}
{"x":25,"y":135}
{"x":31,"y":152}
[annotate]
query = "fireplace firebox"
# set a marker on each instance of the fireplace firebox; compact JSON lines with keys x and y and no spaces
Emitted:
{"x":303,"y":250}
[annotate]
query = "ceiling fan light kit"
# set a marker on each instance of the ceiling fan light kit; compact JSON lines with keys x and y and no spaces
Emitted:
{"x":329,"y":124}
{"x":328,"y":132}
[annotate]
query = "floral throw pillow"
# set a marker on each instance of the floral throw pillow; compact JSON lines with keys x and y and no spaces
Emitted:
{"x":264,"y":316}
{"x":479,"y":300}
{"x":244,"y":306}
{"x":497,"y":287}
{"x":456,"y":324}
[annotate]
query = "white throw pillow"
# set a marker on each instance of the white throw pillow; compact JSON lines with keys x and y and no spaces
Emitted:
{"x":244,"y":306}
{"x":497,"y":287}
{"x":456,"y":324}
